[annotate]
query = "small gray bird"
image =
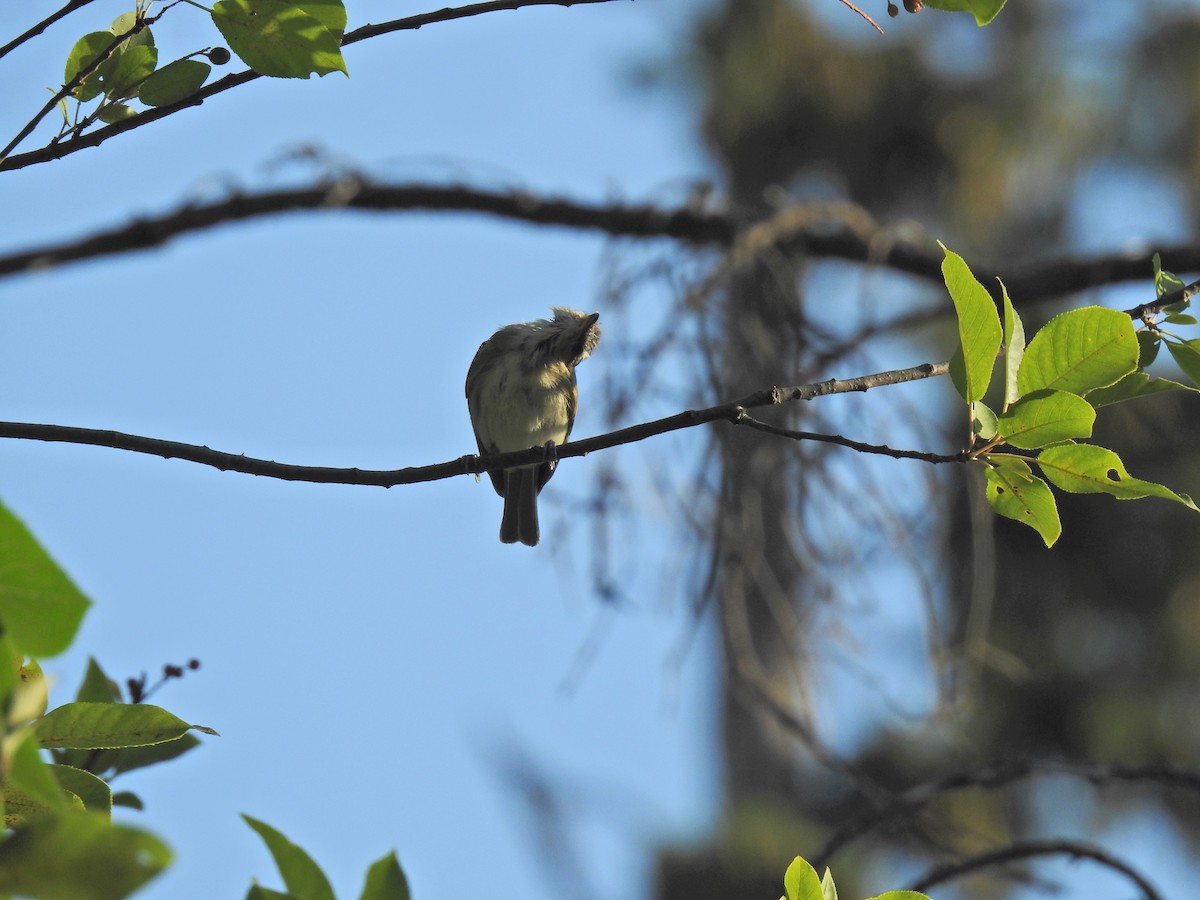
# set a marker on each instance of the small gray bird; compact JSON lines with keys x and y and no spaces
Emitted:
{"x":521,"y":393}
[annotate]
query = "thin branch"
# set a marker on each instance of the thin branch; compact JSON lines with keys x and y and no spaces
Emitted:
{"x":839,"y":231}
{"x":409,"y":23}
{"x":1027,"y":849}
{"x":42,"y":26}
{"x":994,"y":776}
{"x":464,"y":465}
{"x":881,"y":449}
{"x":863,"y":14}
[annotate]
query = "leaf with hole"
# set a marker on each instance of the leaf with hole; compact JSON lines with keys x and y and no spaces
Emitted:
{"x":1014,"y":492}
{"x":1088,"y":469}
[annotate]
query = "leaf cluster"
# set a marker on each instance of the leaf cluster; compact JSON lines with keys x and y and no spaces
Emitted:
{"x":1052,"y":386}
{"x":273,"y":37}
{"x":800,"y":882}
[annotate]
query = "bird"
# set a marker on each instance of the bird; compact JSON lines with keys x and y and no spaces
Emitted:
{"x":521,"y":393}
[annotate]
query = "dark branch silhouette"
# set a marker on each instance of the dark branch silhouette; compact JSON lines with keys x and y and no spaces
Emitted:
{"x":464,"y":465}
{"x":1020,"y":850}
{"x":838,"y":231}
{"x":994,"y":776}
{"x":41,"y":26}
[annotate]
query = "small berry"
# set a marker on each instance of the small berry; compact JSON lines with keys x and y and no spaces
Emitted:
{"x":218,"y":56}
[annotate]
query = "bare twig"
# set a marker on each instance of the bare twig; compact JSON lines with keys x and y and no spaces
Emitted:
{"x":994,"y":776}
{"x":42,"y":26}
{"x":863,"y":14}
{"x":881,"y":449}
{"x":1027,"y":849}
{"x":464,"y":465}
{"x":409,"y":23}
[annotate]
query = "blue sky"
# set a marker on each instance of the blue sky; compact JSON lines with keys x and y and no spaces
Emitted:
{"x":369,"y":656}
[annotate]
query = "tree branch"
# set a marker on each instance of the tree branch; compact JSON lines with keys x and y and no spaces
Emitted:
{"x":1028,"y":849}
{"x":839,"y":231}
{"x":994,"y":776}
{"x":409,"y":23}
{"x":464,"y":465}
{"x":42,"y":26}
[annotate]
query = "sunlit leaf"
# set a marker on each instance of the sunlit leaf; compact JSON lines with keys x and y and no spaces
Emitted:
{"x":1046,"y":417}
{"x":278,"y":39}
{"x":1014,"y":492}
{"x":1014,"y":349}
{"x":1088,"y":469}
{"x":800,"y":881}
{"x":979,"y":329}
{"x":983,"y":10}
{"x":1079,"y":351}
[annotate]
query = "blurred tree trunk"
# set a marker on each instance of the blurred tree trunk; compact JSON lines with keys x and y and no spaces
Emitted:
{"x":1080,"y":641}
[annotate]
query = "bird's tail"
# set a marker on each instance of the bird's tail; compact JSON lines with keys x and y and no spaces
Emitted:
{"x":520,"y":522}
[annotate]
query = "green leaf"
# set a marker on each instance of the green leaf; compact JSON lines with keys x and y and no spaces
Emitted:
{"x":330,"y":13}
{"x":93,"y":726}
{"x":258,"y":892}
{"x":1182,"y":319}
{"x":128,"y":799}
{"x":301,"y":874}
{"x":1135,"y":384}
{"x":979,"y":331}
{"x":85,"y":51}
{"x":115,"y":112}
{"x":1079,"y":351}
{"x":901,"y":895}
{"x":39,"y":606}
{"x":983,"y":421}
{"x":278,"y":39}
{"x":125,"y":22}
{"x":31,"y":775}
{"x":1164,"y":282}
{"x":96,"y":686}
{"x":800,"y":881}
{"x":129,"y":758}
{"x":78,"y":856}
{"x":1014,"y":349}
{"x":828,"y":888}
{"x":1187,"y":356}
{"x":1016,"y":493}
{"x":983,"y":10}
{"x":1148,"y":344}
{"x":174,"y":82}
{"x":95,"y":793}
{"x":1046,"y":417}
{"x":127,"y":69}
{"x":1088,"y":469}
{"x":386,"y":881}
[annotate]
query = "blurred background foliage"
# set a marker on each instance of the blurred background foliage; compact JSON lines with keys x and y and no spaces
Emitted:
{"x":879,"y":593}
